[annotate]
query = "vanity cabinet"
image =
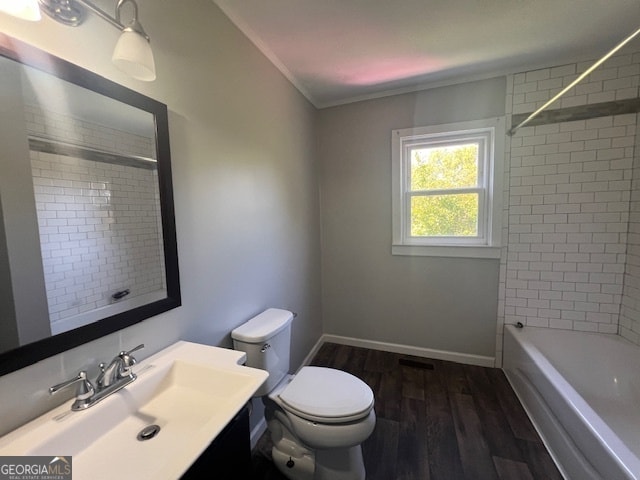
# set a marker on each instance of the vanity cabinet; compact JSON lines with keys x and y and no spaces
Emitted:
{"x":229,"y":455}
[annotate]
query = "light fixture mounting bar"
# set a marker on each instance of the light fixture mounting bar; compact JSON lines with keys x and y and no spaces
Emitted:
{"x":71,"y":13}
{"x":101,"y":13}
{"x":66,"y":12}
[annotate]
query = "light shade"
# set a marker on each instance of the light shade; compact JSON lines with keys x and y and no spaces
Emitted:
{"x":133,"y":56}
{"x":24,"y":9}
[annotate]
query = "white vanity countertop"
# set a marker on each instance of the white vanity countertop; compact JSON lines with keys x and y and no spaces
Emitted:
{"x":191,"y":391}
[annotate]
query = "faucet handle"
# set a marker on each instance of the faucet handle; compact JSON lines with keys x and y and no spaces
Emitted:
{"x":128,"y":361}
{"x":85,"y":388}
{"x":134,"y":349}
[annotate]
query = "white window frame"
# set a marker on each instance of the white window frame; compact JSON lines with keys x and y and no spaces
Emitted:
{"x":490,"y":135}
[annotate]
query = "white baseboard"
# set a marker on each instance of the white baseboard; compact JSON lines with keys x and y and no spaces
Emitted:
{"x":257,"y":432}
{"x":312,"y":352}
{"x":467,"y":358}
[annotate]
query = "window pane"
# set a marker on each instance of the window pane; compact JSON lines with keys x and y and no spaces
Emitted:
{"x":444,"y":167}
{"x":454,"y":215}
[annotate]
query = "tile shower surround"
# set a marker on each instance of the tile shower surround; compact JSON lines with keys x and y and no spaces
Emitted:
{"x":569,"y":197}
{"x":571,"y":249}
{"x":630,"y":309}
{"x":88,"y":210}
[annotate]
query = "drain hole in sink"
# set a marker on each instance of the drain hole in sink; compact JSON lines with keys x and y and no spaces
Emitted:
{"x":147,"y":433}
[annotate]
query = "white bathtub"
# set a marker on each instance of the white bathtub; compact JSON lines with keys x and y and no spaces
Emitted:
{"x":582,"y":392}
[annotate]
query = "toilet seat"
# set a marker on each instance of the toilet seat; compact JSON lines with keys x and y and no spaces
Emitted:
{"x":327,"y":395}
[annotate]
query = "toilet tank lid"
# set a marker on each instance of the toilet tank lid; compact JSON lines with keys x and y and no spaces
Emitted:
{"x":263,"y":326}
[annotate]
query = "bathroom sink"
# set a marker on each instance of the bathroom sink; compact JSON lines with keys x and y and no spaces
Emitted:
{"x":189,"y":391}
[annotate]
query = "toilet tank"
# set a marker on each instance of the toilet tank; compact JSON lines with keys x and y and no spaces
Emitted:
{"x":266,"y":339}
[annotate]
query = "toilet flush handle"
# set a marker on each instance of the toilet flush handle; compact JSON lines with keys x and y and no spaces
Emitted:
{"x":265,"y":347}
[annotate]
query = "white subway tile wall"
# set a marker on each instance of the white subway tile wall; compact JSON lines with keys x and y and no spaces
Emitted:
{"x":568,"y":232}
{"x":616,"y":79}
{"x":98,"y":225}
{"x":630,"y":310}
{"x":570,"y":188}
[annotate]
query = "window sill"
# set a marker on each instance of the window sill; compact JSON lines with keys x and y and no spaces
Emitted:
{"x":464,"y":251}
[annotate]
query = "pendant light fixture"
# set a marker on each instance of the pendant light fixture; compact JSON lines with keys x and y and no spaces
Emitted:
{"x":132,"y":53}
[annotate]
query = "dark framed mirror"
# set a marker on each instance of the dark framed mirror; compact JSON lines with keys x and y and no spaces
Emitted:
{"x":87,"y":226}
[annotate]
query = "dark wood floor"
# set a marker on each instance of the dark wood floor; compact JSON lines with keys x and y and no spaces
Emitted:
{"x":436,"y":420}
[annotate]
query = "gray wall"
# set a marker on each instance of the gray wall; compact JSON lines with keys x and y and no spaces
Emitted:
{"x":245,"y":185}
{"x":438,"y":303}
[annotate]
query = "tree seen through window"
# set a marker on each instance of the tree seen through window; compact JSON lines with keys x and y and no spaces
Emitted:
{"x":439,"y":203}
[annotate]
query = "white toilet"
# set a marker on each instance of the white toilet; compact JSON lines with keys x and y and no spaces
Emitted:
{"x":318,"y":418}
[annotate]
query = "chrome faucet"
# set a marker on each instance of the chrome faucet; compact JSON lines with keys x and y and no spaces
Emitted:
{"x":112,"y":378}
{"x":118,"y":370}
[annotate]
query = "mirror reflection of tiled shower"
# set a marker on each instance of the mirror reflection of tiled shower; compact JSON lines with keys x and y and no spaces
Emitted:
{"x":98,"y":209}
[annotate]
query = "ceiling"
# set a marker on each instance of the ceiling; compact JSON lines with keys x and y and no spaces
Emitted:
{"x":339,"y":51}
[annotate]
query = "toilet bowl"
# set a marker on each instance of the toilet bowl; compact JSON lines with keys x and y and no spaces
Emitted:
{"x":317,"y":418}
